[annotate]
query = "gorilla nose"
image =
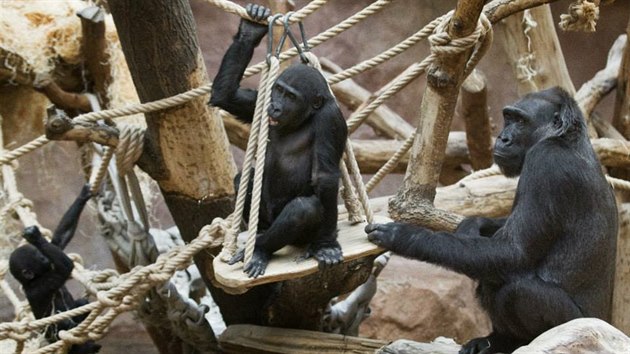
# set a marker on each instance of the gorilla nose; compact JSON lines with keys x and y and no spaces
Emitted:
{"x":274,"y":111}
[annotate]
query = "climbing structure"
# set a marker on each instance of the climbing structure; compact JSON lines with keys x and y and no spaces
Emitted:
{"x":115,"y":293}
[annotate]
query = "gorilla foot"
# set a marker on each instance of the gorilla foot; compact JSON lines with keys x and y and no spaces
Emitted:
{"x":257,"y":265}
{"x":326,"y":254}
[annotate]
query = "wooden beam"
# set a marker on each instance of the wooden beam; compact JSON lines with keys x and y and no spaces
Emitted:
{"x":621,"y":293}
{"x":267,"y":340}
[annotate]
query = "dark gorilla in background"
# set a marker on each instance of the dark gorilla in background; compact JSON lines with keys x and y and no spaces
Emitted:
{"x":43,"y":268}
{"x":553,"y":259}
{"x":307,"y":137}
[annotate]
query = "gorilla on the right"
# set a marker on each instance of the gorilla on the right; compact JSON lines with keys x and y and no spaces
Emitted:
{"x":553,"y":259}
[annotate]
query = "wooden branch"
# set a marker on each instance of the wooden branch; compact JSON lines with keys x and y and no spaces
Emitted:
{"x":383,"y":120}
{"x":498,"y":10}
{"x":474,"y":110}
{"x":372,"y":154}
{"x":60,"y":127}
{"x":94,"y":47}
{"x":536,"y":56}
{"x":592,"y":91}
{"x":444,"y":78}
{"x":605,"y":129}
{"x":65,"y":100}
{"x":14,"y":68}
{"x":612,"y":152}
{"x":257,"y":339}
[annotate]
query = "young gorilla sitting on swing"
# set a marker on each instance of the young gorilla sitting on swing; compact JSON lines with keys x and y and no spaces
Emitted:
{"x":307,"y":137}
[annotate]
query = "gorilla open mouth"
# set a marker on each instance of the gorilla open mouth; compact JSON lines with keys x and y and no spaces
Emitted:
{"x":273,"y":122}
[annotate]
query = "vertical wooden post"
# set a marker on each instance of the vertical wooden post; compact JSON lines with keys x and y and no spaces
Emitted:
{"x":531,"y":45}
{"x":621,"y":119}
{"x":414,"y":199}
{"x":474,"y":110}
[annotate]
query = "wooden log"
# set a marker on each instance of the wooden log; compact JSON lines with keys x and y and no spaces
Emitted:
{"x":267,"y":340}
{"x":404,"y":346}
{"x":605,"y":129}
{"x":612,"y":152}
{"x":474,"y":110}
{"x":534,"y":51}
{"x":383,"y":120}
{"x":621,"y":294}
{"x":94,"y":48}
{"x":444,"y":78}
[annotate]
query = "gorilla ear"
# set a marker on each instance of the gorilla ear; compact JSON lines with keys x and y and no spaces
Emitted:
{"x":28,"y":274}
{"x":318,"y":102}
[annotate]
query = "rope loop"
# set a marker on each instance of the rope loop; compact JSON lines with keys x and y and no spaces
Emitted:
{"x":129,"y":148}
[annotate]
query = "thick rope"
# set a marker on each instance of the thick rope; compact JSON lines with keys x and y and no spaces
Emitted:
{"x":270,"y":78}
{"x":391,"y":163}
{"x":7,"y":157}
{"x":229,"y":243}
{"x":349,"y":196}
{"x":97,"y":178}
{"x":129,"y":148}
{"x":299,"y":15}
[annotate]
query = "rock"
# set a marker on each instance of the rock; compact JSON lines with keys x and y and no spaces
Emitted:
{"x":420,"y":301}
{"x":580,"y":336}
{"x":439,"y":346}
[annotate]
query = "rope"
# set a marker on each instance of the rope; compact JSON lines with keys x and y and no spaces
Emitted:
{"x":348,"y":194}
{"x":236,"y":9}
{"x":23,"y":150}
{"x":391,"y":163}
{"x":129,"y":148}
{"x":95,"y":181}
{"x":269,"y":79}
{"x":582,"y":16}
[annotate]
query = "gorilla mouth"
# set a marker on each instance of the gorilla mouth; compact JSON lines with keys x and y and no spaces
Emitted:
{"x":273,"y":122}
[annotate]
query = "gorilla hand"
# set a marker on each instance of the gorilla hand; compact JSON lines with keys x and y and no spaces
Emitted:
{"x":33,"y":235}
{"x":254,"y":31}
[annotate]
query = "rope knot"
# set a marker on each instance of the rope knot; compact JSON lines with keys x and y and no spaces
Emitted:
{"x":104,"y":298}
{"x":69,"y":337}
{"x":582,"y":16}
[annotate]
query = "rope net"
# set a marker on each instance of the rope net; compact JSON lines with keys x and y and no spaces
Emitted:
{"x":116,"y":293}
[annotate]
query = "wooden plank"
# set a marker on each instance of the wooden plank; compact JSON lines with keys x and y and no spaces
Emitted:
{"x":258,"y":339}
{"x":283,"y":266}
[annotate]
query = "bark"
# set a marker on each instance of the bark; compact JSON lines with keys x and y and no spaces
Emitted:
{"x":474,"y":109}
{"x":444,"y":78}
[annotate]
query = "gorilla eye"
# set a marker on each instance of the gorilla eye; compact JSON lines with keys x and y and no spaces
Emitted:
{"x":279,"y":89}
{"x":291,"y":95}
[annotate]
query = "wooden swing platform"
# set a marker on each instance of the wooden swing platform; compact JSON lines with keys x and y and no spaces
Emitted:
{"x":282,"y":266}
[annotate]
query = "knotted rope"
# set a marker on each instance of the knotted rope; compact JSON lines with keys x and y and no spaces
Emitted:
{"x":582,"y":16}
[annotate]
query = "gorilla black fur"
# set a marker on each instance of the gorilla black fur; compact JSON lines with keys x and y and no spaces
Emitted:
{"x":553,"y":259}
{"x":307,"y":137}
{"x":43,"y":268}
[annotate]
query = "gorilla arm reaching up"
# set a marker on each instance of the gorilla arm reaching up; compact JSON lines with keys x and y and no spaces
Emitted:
{"x":552,"y":260}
